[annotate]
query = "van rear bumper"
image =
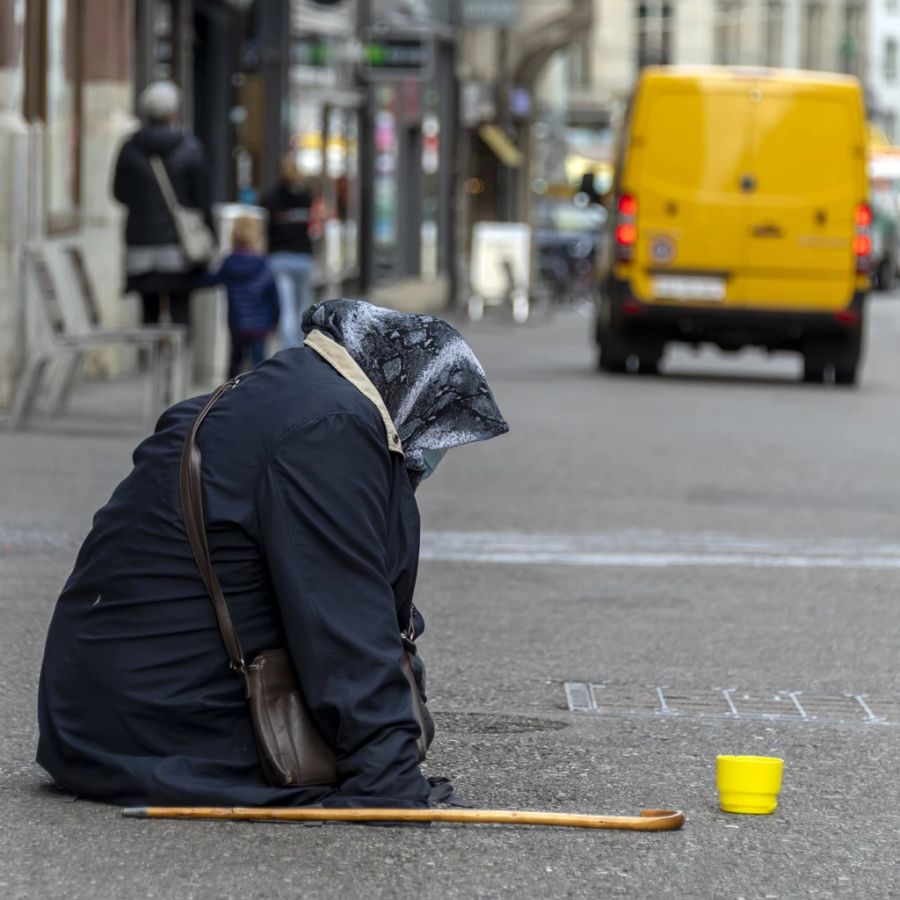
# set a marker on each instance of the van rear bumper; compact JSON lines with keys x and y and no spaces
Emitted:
{"x":729,"y":328}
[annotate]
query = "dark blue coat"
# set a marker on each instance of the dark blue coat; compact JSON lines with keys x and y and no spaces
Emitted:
{"x":314,"y":531}
{"x":252,"y":295}
{"x":149,"y":221}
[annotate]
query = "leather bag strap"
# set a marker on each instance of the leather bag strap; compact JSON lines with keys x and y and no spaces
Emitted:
{"x":195,"y":525}
{"x":165,"y":184}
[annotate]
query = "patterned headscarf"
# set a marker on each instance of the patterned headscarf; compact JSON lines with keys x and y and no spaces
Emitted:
{"x":430,"y":381}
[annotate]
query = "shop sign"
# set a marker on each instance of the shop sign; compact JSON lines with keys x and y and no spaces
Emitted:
{"x":315,"y":61}
{"x":390,"y":57}
{"x":311,"y":51}
{"x":321,"y":17}
{"x":504,"y":13}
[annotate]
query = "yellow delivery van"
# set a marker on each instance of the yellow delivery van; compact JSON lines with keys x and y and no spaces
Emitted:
{"x":739,"y":216}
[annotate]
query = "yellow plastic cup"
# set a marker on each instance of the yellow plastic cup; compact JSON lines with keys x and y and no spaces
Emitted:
{"x":749,"y":784}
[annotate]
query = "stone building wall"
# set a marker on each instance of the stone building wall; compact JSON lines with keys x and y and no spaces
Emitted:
{"x":106,"y":39}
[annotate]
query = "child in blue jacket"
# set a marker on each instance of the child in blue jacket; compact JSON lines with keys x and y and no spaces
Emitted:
{"x":253,"y":306}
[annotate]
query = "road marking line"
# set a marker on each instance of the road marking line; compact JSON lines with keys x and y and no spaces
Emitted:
{"x":726,"y":693}
{"x":664,"y":707}
{"x":655,"y":549}
{"x":861,"y":700}
{"x":793,"y":695}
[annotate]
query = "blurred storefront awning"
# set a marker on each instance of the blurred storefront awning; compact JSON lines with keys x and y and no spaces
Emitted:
{"x":504,"y":149}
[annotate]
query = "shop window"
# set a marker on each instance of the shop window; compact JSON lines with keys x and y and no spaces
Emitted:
{"x":53,"y":97}
{"x":773,"y":33}
{"x":852,"y":38}
{"x":890,"y":60}
{"x":727,"y":33}
{"x":813,"y":35}
{"x":654,"y":34}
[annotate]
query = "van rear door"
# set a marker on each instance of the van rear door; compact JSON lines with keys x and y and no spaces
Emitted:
{"x":690,"y":144}
{"x":808,"y":173}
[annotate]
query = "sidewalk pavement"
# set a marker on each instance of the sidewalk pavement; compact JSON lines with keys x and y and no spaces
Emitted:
{"x":674,"y":457}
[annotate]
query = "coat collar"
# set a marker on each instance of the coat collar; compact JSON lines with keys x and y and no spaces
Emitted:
{"x":337,"y":356}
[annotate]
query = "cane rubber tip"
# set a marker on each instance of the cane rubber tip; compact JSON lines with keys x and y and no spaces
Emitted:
{"x":135,"y":812}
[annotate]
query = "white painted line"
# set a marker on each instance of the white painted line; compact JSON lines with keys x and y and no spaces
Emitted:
{"x":726,"y":693}
{"x":861,"y":700}
{"x":655,"y":549}
{"x":663,"y":706}
{"x":794,"y":695}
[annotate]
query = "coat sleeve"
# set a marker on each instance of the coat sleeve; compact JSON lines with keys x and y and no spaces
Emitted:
{"x":212,"y":277}
{"x":272,"y":298}
{"x":323,"y":506}
{"x":125,"y":176}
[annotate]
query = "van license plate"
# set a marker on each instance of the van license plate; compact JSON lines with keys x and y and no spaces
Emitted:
{"x":688,"y":287}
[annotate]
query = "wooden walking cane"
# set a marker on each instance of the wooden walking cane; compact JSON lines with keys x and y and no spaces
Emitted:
{"x":648,"y":820}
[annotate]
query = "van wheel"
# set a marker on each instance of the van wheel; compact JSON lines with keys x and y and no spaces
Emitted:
{"x":649,"y":358}
{"x":847,"y":359}
{"x":814,"y":368}
{"x":846,"y":365}
{"x":614,"y":351}
{"x":846,"y":376}
{"x":842,"y":356}
{"x":886,"y":274}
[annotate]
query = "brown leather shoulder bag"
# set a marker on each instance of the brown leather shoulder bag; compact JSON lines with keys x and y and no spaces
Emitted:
{"x":291,"y":750}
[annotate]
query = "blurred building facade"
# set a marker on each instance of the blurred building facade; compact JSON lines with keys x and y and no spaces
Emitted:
{"x":65,"y":104}
{"x":414,"y":119}
{"x":506,"y":46}
{"x":364,"y":91}
{"x":826,"y":35}
{"x":858,"y":37}
{"x":70,"y":71}
{"x":584,"y":87}
{"x":407,"y":71}
{"x":882,"y":46}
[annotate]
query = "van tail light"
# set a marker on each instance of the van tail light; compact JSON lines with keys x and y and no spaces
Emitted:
{"x":862,"y":241}
{"x":847,"y":317}
{"x":626,"y":227}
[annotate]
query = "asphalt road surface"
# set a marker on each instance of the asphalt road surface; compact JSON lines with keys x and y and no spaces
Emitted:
{"x":645,"y":573}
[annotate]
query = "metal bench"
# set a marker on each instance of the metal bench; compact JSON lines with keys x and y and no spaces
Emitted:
{"x":64,"y":324}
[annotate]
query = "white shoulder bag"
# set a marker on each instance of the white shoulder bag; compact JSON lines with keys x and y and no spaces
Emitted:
{"x":195,"y":238}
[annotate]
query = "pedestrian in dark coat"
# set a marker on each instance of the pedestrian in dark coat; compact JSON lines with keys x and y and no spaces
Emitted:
{"x":252,"y":295}
{"x":155,"y":266}
{"x":290,"y":205}
{"x":309,"y":469}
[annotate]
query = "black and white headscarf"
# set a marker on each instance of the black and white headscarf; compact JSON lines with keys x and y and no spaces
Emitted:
{"x":430,"y":380}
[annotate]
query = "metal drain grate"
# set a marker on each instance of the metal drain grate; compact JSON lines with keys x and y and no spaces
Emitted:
{"x":848,"y":708}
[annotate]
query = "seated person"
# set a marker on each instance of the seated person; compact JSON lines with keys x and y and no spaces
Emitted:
{"x":309,"y":467}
